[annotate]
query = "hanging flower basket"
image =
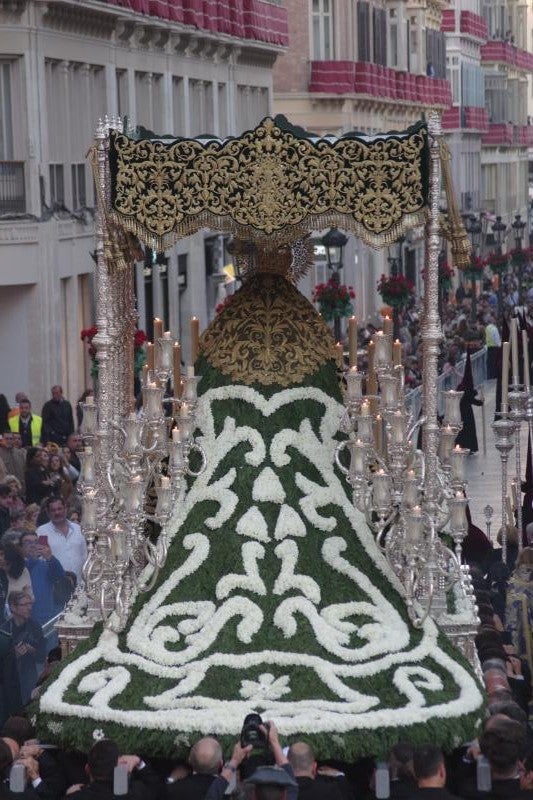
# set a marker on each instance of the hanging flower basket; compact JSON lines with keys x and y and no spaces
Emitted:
{"x":475,"y":269}
{"x":139,"y":356}
{"x":498,"y":262}
{"x":334,"y":300}
{"x":395,"y":290}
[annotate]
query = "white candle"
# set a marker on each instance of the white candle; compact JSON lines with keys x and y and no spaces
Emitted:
{"x":176,"y":435}
{"x":358,"y":457}
{"x":383,"y":343}
{"x":381,"y":489}
{"x":184,"y":410}
{"x":415,"y":527}
{"x":354,"y":380}
{"x":505,"y":377}
{"x":89,"y":400}
{"x":352,"y":341}
{"x":525,"y":354}
{"x":365,"y":408}
{"x":457,"y":460}
{"x":190,"y":371}
{"x":165,"y":482}
{"x":167,"y":335}
{"x":397,"y":423}
{"x":514,"y":351}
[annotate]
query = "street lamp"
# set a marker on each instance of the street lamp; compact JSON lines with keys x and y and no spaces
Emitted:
{"x":335,"y":241}
{"x":498,"y":228}
{"x":473,"y":228}
{"x":395,"y":259}
{"x":518,"y":227}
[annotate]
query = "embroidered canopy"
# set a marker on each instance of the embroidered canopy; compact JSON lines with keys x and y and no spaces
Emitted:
{"x":275,"y":181}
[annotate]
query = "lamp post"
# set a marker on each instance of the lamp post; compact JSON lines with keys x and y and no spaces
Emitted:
{"x":498,"y":228}
{"x":335,"y":241}
{"x":395,"y":260}
{"x":474,"y":228}
{"x":518,"y":227}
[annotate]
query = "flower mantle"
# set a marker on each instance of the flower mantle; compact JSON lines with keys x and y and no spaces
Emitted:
{"x":274,"y":597}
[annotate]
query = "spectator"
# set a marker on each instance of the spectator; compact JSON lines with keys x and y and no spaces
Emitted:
{"x":79,"y":405}
{"x":430,"y":773}
{"x":4,"y":414}
{"x":46,"y":575}
{"x":70,"y":469}
{"x":28,"y":641}
{"x":310,"y":785}
{"x":31,"y":513}
{"x":38,"y":483}
{"x":400,"y":763}
{"x":205,"y":760}
{"x":16,"y":487}
{"x":14,"y":532}
{"x":272,"y":783}
{"x":75,"y":446}
{"x":61,"y":483}
{"x":12,"y":564}
{"x":64,"y":537}
{"x":6,"y":503}
{"x":102,"y":759}
{"x":27,"y":424}
{"x":503,"y":742}
{"x":58,"y":422}
{"x":19,"y":397}
{"x":13,"y":457}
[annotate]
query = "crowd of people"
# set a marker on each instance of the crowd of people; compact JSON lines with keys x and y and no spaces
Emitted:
{"x":42,"y":548}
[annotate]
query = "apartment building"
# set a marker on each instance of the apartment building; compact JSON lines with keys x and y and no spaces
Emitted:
{"x":182,"y":67}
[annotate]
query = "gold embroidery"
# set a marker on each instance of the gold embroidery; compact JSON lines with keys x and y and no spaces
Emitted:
{"x":269,"y":182}
{"x":268,"y":333}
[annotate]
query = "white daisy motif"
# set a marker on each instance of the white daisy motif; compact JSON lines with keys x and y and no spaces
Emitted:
{"x":55,"y":727}
{"x":266,"y":687}
{"x":98,"y":734}
{"x":267,"y":487}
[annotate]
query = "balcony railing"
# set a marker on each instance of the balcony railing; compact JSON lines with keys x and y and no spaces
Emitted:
{"x":12,"y":187}
{"x":468,"y":117}
{"x":374,"y":80}
{"x":506,"y":53}
{"x":500,"y":133}
{"x":469,"y":24}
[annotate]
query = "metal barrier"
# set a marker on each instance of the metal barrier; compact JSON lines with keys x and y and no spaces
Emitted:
{"x":450,"y":380}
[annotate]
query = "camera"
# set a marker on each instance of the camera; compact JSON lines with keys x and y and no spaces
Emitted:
{"x":252,"y":733}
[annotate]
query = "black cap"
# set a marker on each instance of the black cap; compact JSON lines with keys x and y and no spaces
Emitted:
{"x":274,"y":776}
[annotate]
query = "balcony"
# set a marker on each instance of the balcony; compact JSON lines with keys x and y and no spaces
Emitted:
{"x":505,"y":53}
{"x":500,"y":133}
{"x":259,"y":20}
{"x":466,"y":118}
{"x":373,"y":80}
{"x":470,"y":24}
{"x":12,"y":187}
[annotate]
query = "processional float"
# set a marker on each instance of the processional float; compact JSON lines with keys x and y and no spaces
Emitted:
{"x":268,"y":350}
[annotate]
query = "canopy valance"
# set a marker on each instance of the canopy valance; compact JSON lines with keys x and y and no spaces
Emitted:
{"x":276,"y":182}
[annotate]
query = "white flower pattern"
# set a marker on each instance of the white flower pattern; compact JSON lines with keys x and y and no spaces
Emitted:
{"x":265,"y":688}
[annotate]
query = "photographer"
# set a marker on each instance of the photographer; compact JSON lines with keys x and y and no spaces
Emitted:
{"x":281,"y":775}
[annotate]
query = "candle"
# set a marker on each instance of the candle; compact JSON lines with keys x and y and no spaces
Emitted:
{"x":365,"y":408}
{"x":339,"y":355}
{"x":358,"y":450}
{"x":176,"y":435}
{"x":158,"y":328}
{"x":514,"y":351}
{"x":415,"y":527}
{"x":167,"y":335}
{"x":165,"y":482}
{"x":397,"y":423}
{"x":452,"y":408}
{"x":505,"y":377}
{"x":381,"y":489}
{"x":457,"y":460}
{"x":410,"y":489}
{"x":352,"y":341}
{"x":354,"y":380}
{"x":389,"y":391}
{"x":90,"y":399}
{"x":371,"y":351}
{"x":387,"y":325}
{"x":446,"y":439}
{"x":371,"y":383}
{"x":378,"y":433}
{"x":176,"y":368}
{"x":150,"y":356}
{"x":195,"y":338}
{"x":525,"y":354}
{"x":190,"y":372}
{"x":397,"y":353}
{"x":184,"y":410}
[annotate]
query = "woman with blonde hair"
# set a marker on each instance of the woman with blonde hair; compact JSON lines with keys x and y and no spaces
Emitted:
{"x":31,"y":513}
{"x":519,"y":606}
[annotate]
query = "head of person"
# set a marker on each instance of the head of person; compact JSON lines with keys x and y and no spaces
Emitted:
{"x":17,"y":440}
{"x":29,"y":545}
{"x":302,"y":760}
{"x":12,"y":559}
{"x":17,"y":518}
{"x":6,"y":759}
{"x":34,"y":457}
{"x":206,"y":756}
{"x":400,"y":761}
{"x":18,"y":728}
{"x":57,"y":393}
{"x":21,"y":605}
{"x":270,"y":783}
{"x":428,"y":766}
{"x":525,"y":558}
{"x":503,"y":743}
{"x":25,"y":408}
{"x":102,"y":760}
{"x":31,"y":512}
{"x":74,"y":442}
{"x":7,"y":496}
{"x":55,"y":464}
{"x":508,"y":709}
{"x":8,"y":440}
{"x":57,"y":510}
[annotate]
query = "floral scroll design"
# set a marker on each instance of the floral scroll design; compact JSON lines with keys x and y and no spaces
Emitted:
{"x":268,"y":334}
{"x":267,"y":181}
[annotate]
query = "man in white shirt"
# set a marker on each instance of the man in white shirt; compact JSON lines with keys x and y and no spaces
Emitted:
{"x":65,"y":538}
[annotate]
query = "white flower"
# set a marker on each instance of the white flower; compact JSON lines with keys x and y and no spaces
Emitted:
{"x":253,"y":525}
{"x":98,"y":734}
{"x":54,"y":727}
{"x":33,"y":721}
{"x":267,"y":487}
{"x":267,"y":687}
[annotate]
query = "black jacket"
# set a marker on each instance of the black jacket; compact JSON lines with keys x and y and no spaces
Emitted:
{"x":193,"y":787}
{"x":318,"y":788}
{"x":145,"y":784}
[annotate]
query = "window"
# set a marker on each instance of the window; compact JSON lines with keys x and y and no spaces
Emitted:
{"x":393,"y":37}
{"x":57,"y":185}
{"x":6,"y":120}
{"x":363,"y":31}
{"x":79,"y":195}
{"x":380,"y":36}
{"x":322,"y":20}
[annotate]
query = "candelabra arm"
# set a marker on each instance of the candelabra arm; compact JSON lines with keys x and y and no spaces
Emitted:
{"x":200,"y":449}
{"x":384,"y":526}
{"x":418,"y":424}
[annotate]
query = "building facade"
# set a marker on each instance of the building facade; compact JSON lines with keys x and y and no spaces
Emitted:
{"x":182,"y":67}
